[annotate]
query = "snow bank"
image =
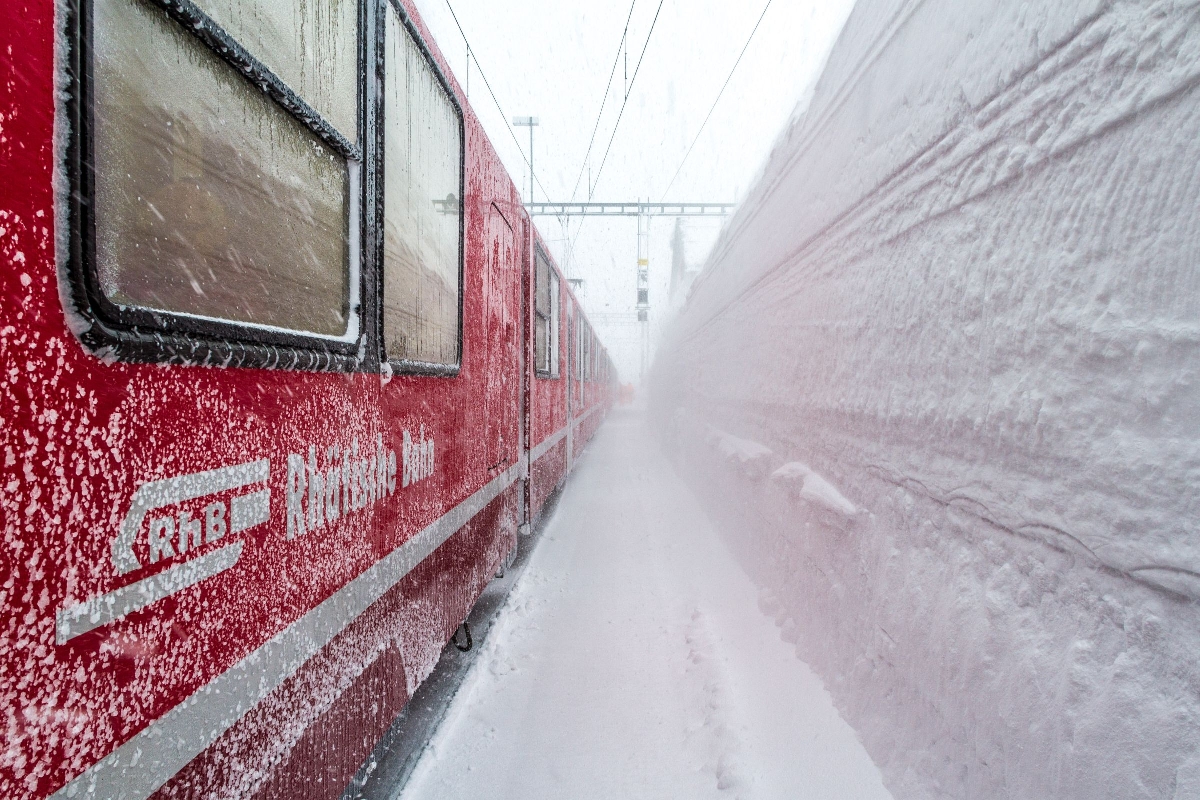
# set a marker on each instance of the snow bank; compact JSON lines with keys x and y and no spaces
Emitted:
{"x":752,"y":458}
{"x":633,"y":660}
{"x":811,"y":487}
{"x":965,"y":297}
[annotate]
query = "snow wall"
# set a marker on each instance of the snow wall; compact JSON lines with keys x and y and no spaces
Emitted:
{"x":940,"y":386}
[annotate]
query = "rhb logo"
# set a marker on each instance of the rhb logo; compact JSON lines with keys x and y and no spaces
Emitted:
{"x":178,"y":516}
{"x":177,"y":532}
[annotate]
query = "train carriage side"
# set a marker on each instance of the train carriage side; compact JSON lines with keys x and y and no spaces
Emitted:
{"x":599,"y":397}
{"x":549,"y":459}
{"x":590,"y":405}
{"x":264,"y":380}
{"x":567,"y":401}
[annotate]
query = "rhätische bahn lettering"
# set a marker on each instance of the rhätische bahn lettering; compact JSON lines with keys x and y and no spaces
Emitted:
{"x":333,"y":481}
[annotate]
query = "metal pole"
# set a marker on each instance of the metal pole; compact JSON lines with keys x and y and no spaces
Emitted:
{"x":531,"y":123}
{"x":643,"y":284}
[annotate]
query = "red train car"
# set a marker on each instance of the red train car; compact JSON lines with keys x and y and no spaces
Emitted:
{"x":285,"y":370}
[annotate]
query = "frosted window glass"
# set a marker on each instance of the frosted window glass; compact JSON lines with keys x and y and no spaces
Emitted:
{"x":543,"y":286}
{"x":545,"y":343}
{"x":210,"y":199}
{"x":422,"y":252}
{"x":540,"y":345}
{"x":579,"y":351}
{"x":553,"y":338}
{"x":587,"y":355}
{"x":579,"y":348}
{"x":311,"y":45}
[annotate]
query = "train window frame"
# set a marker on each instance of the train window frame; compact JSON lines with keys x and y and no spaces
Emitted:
{"x":398,"y":365}
{"x":581,"y":328}
{"x":145,"y":335}
{"x":553,"y":319}
{"x":582,"y":349}
{"x":592,"y":356}
{"x":586,"y":354}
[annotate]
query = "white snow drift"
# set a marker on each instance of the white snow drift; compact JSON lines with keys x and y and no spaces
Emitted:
{"x":966,"y":294}
{"x":633,"y":661}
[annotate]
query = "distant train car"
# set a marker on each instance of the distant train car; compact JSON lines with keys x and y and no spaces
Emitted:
{"x":285,"y":371}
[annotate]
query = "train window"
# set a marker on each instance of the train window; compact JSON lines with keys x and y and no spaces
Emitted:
{"x":583,"y":351}
{"x":545,"y":340}
{"x":580,"y":333}
{"x":311,"y":46}
{"x":587,"y":352}
{"x":216,"y":197}
{"x":422,"y":175}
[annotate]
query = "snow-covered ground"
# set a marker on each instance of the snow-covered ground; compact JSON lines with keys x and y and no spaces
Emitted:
{"x":938,"y":385}
{"x":633,"y":661}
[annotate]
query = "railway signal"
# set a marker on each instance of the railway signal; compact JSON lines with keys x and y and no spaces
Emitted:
{"x":643,"y":212}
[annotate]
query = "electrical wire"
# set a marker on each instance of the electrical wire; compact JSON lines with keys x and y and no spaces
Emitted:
{"x":483,"y":75}
{"x":621,"y":113}
{"x":714,"y":105}
{"x":632,"y":80}
{"x":603,"y":102}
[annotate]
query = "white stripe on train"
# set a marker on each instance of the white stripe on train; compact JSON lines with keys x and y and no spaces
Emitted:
{"x":138,"y":768}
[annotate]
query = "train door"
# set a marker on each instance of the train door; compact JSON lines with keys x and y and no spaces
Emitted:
{"x":569,"y":369}
{"x":502,"y":395}
{"x":527,"y":367}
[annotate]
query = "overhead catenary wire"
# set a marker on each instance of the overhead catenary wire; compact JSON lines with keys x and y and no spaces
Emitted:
{"x":621,"y":113}
{"x":625,"y":102}
{"x":474,"y":54}
{"x":621,"y":46}
{"x":714,"y":105}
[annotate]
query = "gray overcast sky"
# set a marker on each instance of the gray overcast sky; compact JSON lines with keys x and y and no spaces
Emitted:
{"x":552,"y":59}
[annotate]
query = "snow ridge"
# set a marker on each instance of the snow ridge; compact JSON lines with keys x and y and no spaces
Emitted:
{"x":964,"y":296}
{"x":719,"y":740}
{"x":633,"y":660}
{"x":813,"y":488}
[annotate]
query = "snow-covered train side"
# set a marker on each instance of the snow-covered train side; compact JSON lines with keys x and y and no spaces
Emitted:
{"x":281,"y":385}
{"x":938,"y":381}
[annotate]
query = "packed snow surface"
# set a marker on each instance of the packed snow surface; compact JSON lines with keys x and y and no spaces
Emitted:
{"x":633,"y":660}
{"x":965,"y":295}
